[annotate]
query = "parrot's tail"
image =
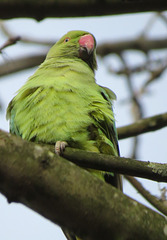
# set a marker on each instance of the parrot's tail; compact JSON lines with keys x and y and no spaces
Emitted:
{"x":69,"y":235}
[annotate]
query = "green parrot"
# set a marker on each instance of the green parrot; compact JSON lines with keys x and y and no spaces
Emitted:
{"x":61,"y":103}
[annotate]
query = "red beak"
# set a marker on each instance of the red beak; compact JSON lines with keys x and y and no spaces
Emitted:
{"x":87,"y":42}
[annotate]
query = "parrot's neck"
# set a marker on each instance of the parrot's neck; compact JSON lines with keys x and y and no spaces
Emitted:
{"x":61,"y":66}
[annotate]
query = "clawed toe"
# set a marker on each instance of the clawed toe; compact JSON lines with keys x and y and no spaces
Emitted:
{"x":60,"y":147}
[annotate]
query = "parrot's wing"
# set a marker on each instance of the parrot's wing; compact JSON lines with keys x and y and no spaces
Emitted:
{"x":11,"y":115}
{"x":69,"y":235}
{"x":109,"y":135}
{"x":108,"y":125}
{"x":109,"y":92}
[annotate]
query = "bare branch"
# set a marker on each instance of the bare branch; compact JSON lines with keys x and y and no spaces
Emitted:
{"x":157,"y":203}
{"x":163,"y":17}
{"x":9,"y":42}
{"x":154,"y":76}
{"x":149,"y":24}
{"x":143,"y":126}
{"x":150,"y":65}
{"x":136,"y":107}
{"x":24,"y":39}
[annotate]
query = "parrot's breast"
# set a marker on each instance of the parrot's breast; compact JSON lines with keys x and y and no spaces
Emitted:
{"x":54,"y":107}
{"x":49,"y":115}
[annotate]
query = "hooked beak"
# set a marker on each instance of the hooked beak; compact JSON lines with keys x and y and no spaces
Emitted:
{"x":86,"y":44}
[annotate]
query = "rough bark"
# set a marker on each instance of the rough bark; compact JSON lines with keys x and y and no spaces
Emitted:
{"x":71,"y":196}
{"x":54,"y":8}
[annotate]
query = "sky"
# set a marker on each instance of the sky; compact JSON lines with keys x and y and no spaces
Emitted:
{"x":19,"y":222}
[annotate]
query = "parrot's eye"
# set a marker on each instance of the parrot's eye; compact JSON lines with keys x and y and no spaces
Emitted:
{"x":67,"y":39}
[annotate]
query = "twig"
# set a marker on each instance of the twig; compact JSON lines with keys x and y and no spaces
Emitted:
{"x":154,"y":75}
{"x":149,"y":24}
{"x":158,"y":204}
{"x":9,"y":42}
{"x":146,"y":66}
{"x":163,"y":17}
{"x":137,"y":110}
{"x":24,"y":39}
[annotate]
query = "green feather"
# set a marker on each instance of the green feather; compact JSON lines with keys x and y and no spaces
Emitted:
{"x":62,"y":102}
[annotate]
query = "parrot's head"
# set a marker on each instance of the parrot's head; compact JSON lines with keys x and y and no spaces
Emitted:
{"x":76,"y":44}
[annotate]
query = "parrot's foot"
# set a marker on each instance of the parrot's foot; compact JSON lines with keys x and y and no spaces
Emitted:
{"x":60,"y":147}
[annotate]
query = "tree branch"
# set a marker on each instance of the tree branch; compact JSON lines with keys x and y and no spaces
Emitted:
{"x":71,"y":196}
{"x":157,"y":203}
{"x":128,"y":166}
{"x":9,"y":42}
{"x":156,"y":73}
{"x":43,"y":9}
{"x":136,"y":106}
{"x":21,"y":63}
{"x":7,"y":32}
{"x":143,"y":126}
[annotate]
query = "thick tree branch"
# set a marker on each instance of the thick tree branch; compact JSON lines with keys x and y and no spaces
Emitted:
{"x":143,"y":126}
{"x":71,"y":196}
{"x":66,"y":8}
{"x":128,"y":166}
